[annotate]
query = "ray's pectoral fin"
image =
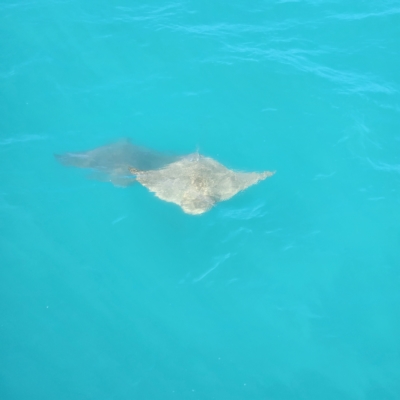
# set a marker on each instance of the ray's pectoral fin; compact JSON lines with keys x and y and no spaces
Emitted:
{"x":122,"y":181}
{"x":117,"y":162}
{"x":79,"y":160}
{"x":115,"y":179}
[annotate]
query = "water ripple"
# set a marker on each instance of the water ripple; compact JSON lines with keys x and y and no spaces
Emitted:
{"x":359,"y":16}
{"x":296,"y":58}
{"x":382,"y":166}
{"x":21,"y":139}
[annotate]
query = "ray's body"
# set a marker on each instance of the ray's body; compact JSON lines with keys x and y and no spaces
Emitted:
{"x":193,"y":182}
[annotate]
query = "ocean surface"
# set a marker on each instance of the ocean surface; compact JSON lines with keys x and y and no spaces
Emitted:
{"x":288,"y":291}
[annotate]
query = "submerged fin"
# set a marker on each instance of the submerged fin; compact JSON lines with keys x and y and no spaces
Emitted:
{"x":112,"y":163}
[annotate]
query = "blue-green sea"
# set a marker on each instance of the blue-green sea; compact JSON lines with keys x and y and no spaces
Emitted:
{"x":290,"y":290}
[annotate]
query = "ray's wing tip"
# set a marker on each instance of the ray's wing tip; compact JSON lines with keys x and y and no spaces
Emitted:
{"x":267,"y":174}
{"x":61,"y":158}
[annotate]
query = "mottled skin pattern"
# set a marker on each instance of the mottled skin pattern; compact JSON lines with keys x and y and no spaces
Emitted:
{"x":196,"y":183}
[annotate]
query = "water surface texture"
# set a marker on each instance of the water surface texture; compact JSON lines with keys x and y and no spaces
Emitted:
{"x":287,"y":291}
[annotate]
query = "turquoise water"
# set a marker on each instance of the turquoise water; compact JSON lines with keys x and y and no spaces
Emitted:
{"x":290,"y":290}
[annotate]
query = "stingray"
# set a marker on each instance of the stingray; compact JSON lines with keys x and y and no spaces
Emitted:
{"x":114,"y":161}
{"x":195,"y":182}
